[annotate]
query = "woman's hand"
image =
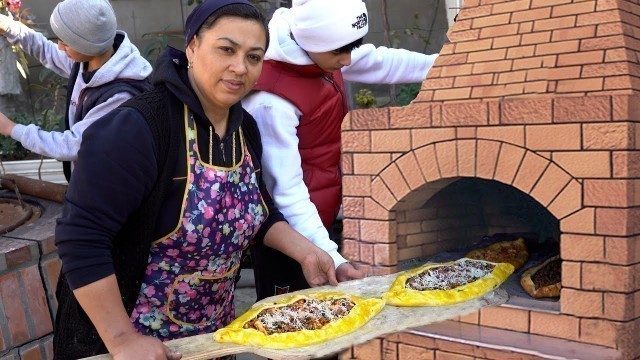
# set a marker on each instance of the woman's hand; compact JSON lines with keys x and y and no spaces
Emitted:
{"x":144,"y":348}
{"x":318,"y":267}
{"x":346,"y":272}
{"x":6,"y":125}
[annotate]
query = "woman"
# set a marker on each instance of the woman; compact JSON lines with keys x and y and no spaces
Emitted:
{"x":167,"y":198}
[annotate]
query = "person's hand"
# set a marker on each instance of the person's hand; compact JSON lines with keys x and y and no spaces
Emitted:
{"x":4,"y":23}
{"x":144,"y":348}
{"x":318,"y":268}
{"x":347,"y":271}
{"x":6,"y":125}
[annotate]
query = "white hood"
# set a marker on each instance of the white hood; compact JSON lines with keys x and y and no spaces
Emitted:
{"x":282,"y":46}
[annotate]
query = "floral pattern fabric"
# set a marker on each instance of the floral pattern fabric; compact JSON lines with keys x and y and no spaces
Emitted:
{"x":190,"y":278}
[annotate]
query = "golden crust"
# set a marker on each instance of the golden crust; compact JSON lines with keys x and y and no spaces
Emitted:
{"x":516,"y":253}
{"x":545,"y":291}
{"x":362,"y":312}
{"x":400,"y":295}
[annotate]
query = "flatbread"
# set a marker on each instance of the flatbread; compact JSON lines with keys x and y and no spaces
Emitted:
{"x":300,"y":320}
{"x":446,"y":283}
{"x":543,"y":280}
{"x":514,"y":252}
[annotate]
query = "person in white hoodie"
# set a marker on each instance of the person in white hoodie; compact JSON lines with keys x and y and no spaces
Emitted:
{"x":103,"y":67}
{"x":299,"y":103}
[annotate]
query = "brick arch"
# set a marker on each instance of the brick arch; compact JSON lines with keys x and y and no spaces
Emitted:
{"x":399,"y":186}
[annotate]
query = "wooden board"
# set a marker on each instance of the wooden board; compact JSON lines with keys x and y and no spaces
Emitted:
{"x":391,"y":319}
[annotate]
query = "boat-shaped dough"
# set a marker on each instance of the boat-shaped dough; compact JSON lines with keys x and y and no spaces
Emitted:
{"x":446,"y":283}
{"x":300,"y":320}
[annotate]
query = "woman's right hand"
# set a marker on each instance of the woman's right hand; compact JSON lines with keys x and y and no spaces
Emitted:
{"x":136,"y":346}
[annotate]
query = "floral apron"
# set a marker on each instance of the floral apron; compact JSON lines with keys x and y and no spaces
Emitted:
{"x":190,"y":278}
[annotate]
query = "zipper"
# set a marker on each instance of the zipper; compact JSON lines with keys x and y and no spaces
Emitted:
{"x":330,"y":80}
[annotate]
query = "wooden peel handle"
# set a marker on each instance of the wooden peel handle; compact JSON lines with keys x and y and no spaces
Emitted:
{"x":37,"y":188}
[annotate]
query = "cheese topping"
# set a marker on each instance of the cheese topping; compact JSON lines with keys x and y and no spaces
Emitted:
{"x":447,"y":277}
{"x":304,"y":314}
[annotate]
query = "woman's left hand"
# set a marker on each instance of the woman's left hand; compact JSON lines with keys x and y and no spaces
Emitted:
{"x":318,"y":268}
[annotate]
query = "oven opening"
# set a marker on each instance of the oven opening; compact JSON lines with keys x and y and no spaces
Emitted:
{"x":472,"y":213}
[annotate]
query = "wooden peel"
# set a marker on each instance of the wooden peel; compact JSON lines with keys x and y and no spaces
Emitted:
{"x":37,"y":188}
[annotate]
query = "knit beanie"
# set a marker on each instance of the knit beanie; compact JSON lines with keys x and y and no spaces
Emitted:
{"x":201,"y":13}
{"x":86,"y":26}
{"x":327,"y":25}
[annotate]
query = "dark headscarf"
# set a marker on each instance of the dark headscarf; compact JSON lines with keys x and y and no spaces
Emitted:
{"x":202,"y":12}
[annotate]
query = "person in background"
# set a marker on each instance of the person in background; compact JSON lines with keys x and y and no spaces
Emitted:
{"x":157,"y":217}
{"x":103,"y":67}
{"x":299,"y":104}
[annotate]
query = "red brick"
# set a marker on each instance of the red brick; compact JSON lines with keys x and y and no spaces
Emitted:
{"x":470,"y":113}
{"x":528,"y":15}
{"x":373,"y":211}
{"x":580,"y":109}
{"x":530,"y":171}
{"x":508,"y":163}
{"x":580,"y":85}
{"x":31,"y":351}
{"x":368,"y":351}
{"x":617,"y":222}
{"x":506,"y":41}
{"x":391,"y":140}
{"x":451,"y":94}
{"x":536,"y":38}
{"x":561,"y":326}
{"x":356,"y":185}
{"x":582,"y":222}
{"x":526,"y":111}
{"x":422,"y":137}
{"x":584,"y":164}
{"x":370,"y":164}
{"x":412,"y":116}
{"x":346,"y":163}
{"x":568,"y":201}
{"x":622,"y":307}
{"x":16,"y":319}
{"x":378,"y":231}
{"x":505,"y":318}
{"x":487,"y":158}
{"x":492,"y":67}
{"x":395,"y":182}
{"x":426,"y":157}
{"x":500,"y":30}
{"x":623,"y":250}
{"x":600,"y":332}
{"x":626,"y":108}
{"x":554,"y":23}
{"x":609,"y":277}
{"x":553,"y":137}
{"x":442,"y":355}
{"x":385,"y":254}
{"x":525,"y":27}
{"x":353,"y":207}
{"x":408,"y":352}
{"x":582,"y":303}
{"x":573,"y":9}
{"x":370,"y":119}
{"x":611,"y":193}
{"x":473,"y":80}
{"x":351,"y":250}
{"x":447,"y":159}
{"x":37,"y":301}
{"x":582,"y":247}
{"x":510,"y":6}
{"x":351,"y":229}
{"x":382,"y":194}
{"x":608,"y":136}
{"x":518,"y":52}
{"x":553,"y":180}
{"x":606,"y":42}
{"x":408,"y":166}
{"x":465,"y":35}
{"x":571,"y":274}
{"x":599,"y":17}
{"x":476,"y":45}
{"x":466,"y":132}
{"x":512,"y":77}
{"x":509,"y":134}
{"x":366,"y":253}
{"x":582,"y":32}
{"x":356,"y":141}
{"x":467,"y":158}
{"x":581,"y":58}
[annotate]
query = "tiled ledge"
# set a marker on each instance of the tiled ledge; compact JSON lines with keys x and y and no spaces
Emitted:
{"x":514,"y":342}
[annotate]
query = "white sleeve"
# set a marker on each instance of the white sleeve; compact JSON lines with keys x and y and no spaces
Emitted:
{"x":38,"y":46}
{"x":64,"y":146}
{"x":278,"y":120}
{"x":383,"y":65}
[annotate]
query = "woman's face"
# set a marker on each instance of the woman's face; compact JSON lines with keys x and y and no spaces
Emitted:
{"x":226,"y":61}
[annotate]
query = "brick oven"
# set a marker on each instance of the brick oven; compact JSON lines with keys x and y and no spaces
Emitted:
{"x":527,"y":123}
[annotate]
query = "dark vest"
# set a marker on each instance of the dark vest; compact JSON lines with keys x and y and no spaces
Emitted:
{"x":90,"y":97}
{"x":320,"y":96}
{"x":75,"y":336}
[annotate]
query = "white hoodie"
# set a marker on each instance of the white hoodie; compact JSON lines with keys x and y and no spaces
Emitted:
{"x":126,"y":62}
{"x":278,"y":119}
